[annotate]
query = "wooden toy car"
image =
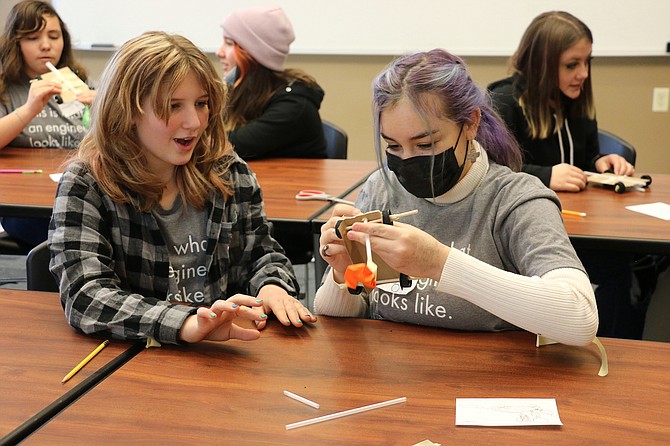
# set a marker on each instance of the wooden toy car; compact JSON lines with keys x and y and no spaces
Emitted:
{"x":357,"y":251}
{"x":620,"y":183}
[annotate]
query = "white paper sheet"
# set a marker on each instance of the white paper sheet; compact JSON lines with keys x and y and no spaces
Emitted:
{"x":658,"y":210}
{"x":507,"y":412}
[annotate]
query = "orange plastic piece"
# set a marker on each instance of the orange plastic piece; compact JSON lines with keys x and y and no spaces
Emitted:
{"x":360,"y":273}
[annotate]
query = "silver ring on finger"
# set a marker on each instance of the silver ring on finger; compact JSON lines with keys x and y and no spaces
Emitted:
{"x":324,"y":250}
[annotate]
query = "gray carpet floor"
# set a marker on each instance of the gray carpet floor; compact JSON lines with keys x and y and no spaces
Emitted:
{"x":13,"y":272}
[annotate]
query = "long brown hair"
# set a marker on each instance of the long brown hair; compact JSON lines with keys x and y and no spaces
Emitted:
{"x":27,"y":17}
{"x":536,"y":64}
{"x":255,"y":87}
{"x":151,"y":67}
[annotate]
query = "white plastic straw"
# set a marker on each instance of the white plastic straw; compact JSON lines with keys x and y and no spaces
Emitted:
{"x":301,"y":399}
{"x":61,"y":77}
{"x":345,"y":413}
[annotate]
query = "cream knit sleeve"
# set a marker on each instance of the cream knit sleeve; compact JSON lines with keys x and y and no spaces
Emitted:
{"x":331,"y":300}
{"x":560,"y":305}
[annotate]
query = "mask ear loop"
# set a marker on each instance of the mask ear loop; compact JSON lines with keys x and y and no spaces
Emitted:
{"x":467,"y":146}
{"x":432,"y":161}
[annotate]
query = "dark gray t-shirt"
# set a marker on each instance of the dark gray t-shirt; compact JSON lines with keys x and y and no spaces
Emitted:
{"x":49,"y":128}
{"x":502,"y":222}
{"x":185,"y":233}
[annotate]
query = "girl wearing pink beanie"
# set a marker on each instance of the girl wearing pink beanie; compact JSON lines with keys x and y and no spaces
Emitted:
{"x":271,"y":111}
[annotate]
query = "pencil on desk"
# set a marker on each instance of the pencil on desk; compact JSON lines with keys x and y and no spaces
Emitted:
{"x":573,"y":213}
{"x":20,"y":170}
{"x":85,"y":361}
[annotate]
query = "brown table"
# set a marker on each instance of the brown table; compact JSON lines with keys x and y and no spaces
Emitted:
{"x":32,"y":195}
{"x":29,"y":195}
{"x":231,"y":393}
{"x":37,"y":349}
{"x":282,"y":178}
{"x":609,"y":224}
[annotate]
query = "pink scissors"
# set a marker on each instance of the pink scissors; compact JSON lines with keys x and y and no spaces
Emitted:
{"x":310,"y":194}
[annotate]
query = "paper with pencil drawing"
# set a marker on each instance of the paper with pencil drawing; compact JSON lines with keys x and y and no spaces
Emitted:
{"x":658,"y":210}
{"x":507,"y":412}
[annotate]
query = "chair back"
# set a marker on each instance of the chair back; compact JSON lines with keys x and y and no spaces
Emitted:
{"x":336,"y":140}
{"x":37,"y":269}
{"x":612,"y":144}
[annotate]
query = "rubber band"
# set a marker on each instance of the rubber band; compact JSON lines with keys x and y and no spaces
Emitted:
{"x":20,"y":118}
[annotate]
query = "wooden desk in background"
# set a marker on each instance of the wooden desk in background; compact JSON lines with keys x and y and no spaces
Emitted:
{"x":32,"y":195}
{"x":282,"y":178}
{"x":37,"y":349}
{"x":611,"y":226}
{"x":29,"y":195}
{"x":232,"y":392}
{"x":608,"y":222}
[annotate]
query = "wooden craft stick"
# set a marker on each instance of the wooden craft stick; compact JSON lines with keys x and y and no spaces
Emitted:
{"x":393,"y":217}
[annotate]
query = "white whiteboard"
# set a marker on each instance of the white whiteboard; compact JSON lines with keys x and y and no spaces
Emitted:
{"x":378,"y":27}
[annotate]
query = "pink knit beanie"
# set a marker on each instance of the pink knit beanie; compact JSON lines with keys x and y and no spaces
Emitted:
{"x":264,"y":32}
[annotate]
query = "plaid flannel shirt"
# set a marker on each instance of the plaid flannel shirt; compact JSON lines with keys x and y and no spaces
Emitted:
{"x":112,"y":261}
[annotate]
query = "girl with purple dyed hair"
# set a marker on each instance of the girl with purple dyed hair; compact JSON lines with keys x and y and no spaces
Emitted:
{"x":487,"y":247}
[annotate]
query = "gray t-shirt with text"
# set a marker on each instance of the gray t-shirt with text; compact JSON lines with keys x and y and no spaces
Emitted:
{"x":49,"y":129}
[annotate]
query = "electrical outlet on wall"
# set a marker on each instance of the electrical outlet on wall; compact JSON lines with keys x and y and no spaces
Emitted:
{"x":661,"y":100}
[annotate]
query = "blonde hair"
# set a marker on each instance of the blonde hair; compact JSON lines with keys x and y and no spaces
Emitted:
{"x":536,"y":62}
{"x":151,"y":67}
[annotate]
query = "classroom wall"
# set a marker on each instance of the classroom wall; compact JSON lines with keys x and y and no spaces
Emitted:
{"x":623,"y":92}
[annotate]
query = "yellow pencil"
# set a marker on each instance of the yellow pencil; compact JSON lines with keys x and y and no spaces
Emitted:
{"x":85,"y":361}
{"x":575,"y":213}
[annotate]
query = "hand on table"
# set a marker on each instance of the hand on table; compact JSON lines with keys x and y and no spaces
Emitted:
{"x":285,"y":307}
{"x":216,"y":322}
{"x":615,"y":163}
{"x":567,"y":178}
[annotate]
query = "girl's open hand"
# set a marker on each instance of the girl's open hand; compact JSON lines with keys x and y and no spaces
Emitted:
{"x":216,"y":322}
{"x":285,"y":307}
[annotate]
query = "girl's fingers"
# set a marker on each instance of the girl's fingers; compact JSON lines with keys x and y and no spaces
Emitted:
{"x":244,"y":334}
{"x":287,"y":314}
{"x":289,"y":311}
{"x":242,"y":299}
{"x":236,"y":306}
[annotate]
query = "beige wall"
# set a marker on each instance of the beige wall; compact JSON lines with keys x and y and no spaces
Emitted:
{"x":623,"y":91}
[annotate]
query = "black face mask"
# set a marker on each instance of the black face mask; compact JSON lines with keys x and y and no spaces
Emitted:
{"x":413,"y":172}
